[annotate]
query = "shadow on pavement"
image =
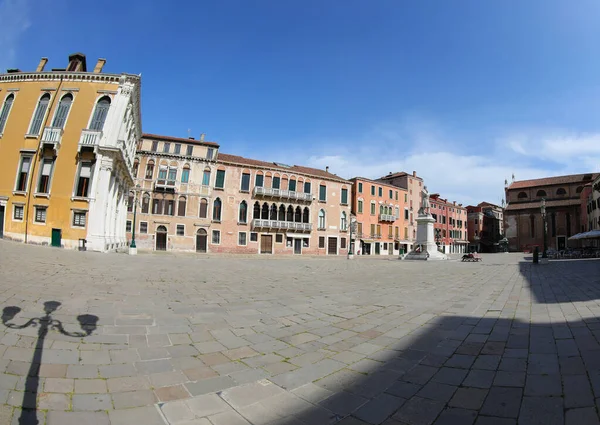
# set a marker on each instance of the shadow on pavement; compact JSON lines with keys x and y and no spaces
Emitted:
{"x":44,"y":323}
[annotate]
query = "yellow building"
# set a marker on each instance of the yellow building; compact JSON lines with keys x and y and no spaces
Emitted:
{"x":67,"y":143}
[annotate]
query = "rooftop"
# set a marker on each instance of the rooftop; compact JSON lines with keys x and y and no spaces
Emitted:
{"x":313,"y":172}
{"x":549,"y":204}
{"x":548,"y":181}
{"x":354,"y":179}
{"x":188,"y":140}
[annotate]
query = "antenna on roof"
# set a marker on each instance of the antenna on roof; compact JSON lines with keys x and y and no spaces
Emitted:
{"x":189,"y":133}
{"x":513,"y":177}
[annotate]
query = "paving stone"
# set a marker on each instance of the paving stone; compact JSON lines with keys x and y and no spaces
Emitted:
{"x":94,"y":357}
{"x":451,"y":376}
{"x":207,"y":405}
{"x":175,"y":392}
{"x":343,"y":403}
{"x":577,"y":391}
{"x":509,"y":379}
{"x":469,"y":398}
{"x":92,"y":402}
{"x":227,"y":418}
{"x":543,"y":364}
{"x":479,"y":379}
{"x":437,"y":391}
{"x":543,"y":385}
{"x":53,"y":401}
{"x":118,"y":385}
{"x":153,"y":366}
{"x":312,"y":393}
{"x":245,"y":395}
{"x":454,"y":416}
{"x":115,"y":371}
{"x":460,"y":361}
{"x":77,"y":418}
{"x":542,"y":411}
{"x":141,"y":415}
{"x":580,"y":416}
{"x":380,"y":408}
{"x":420,"y":374}
{"x":210,"y":385}
{"x":58,"y":385}
{"x":130,"y":399}
{"x":77,"y":371}
{"x":502,"y":402}
{"x":53,"y":371}
{"x":419,"y":411}
{"x":487,"y":362}
{"x":200,"y":373}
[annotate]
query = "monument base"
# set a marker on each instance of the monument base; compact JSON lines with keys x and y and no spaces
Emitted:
{"x":425,"y":247}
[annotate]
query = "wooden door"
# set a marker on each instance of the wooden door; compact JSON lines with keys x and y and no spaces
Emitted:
{"x":297,"y":246}
{"x":377,"y":248}
{"x":161,"y":238}
{"x":332,"y":246}
{"x":56,"y":237}
{"x":201,"y":241}
{"x":266,"y":244}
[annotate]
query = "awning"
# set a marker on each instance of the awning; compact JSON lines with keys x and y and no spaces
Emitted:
{"x":592,"y":234}
{"x":578,"y":236}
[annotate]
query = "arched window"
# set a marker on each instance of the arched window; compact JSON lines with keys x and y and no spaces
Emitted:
{"x":149,"y":170}
{"x":273,"y":212}
{"x":64,"y":106}
{"x":145,"y":203}
{"x":381,"y":211}
{"x":130,"y":201}
{"x":203,"y":208}
{"x":40,"y":113}
{"x":100,"y":113}
{"x":256,"y":212}
{"x":306,"y":215}
{"x":522,"y":195}
{"x":290,"y":214}
{"x":579,"y":188}
{"x":243,"y":212}
{"x":343,"y":221}
{"x":291,"y":184}
{"x":181,"y":206}
{"x":185,"y":174}
{"x":217,"y":210}
{"x":206,"y":177}
{"x":5,"y":111}
{"x":282,"y":212}
{"x":561,"y":191}
{"x":136,"y":166}
{"x":321,"y":219}
{"x":265,"y":211}
{"x":397,"y":213}
{"x":541,"y":193}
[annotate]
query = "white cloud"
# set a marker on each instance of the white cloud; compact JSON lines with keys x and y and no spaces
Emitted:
{"x":14,"y":21}
{"x":462,"y":170}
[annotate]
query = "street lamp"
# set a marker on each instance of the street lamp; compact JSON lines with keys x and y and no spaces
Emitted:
{"x":351,"y":242}
{"x":132,"y":246}
{"x":543,"y":210}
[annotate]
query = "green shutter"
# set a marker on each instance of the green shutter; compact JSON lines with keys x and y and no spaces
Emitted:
{"x":344,"y":196}
{"x":220,"y":183}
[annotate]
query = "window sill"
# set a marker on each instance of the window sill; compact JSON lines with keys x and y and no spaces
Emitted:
{"x":344,"y":203}
{"x":31,"y":136}
{"x":80,"y":198}
{"x":215,"y":221}
{"x":321,"y":228}
{"x":19,"y":192}
{"x":41,"y":195}
{"x":244,"y":191}
{"x":219,"y":188}
{"x":323,"y":201}
{"x":242,"y":224}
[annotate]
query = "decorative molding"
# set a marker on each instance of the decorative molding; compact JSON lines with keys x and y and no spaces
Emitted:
{"x":48,"y":89}
{"x":68,"y":76}
{"x":107,"y":92}
{"x":28,"y":150}
{"x":13,"y":89}
{"x":71,"y":89}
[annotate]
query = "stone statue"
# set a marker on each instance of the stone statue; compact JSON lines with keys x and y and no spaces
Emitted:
{"x":425,"y":206}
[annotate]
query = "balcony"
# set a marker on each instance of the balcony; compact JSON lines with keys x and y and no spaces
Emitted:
{"x":165,"y":185}
{"x":387,"y":217}
{"x":376,"y":236}
{"x":281,"y":225}
{"x":52,"y":136}
{"x":90,"y":139}
{"x":282,"y":193}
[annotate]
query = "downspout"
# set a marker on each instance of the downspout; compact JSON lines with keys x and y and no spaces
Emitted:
{"x":38,"y":153}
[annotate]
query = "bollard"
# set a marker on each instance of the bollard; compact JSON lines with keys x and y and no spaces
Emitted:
{"x":536,"y":255}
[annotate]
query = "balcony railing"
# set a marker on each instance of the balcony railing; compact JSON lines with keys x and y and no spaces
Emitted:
{"x":282,"y":193}
{"x":90,"y":138}
{"x":164,"y":184}
{"x":281,"y":225}
{"x":387,"y":217}
{"x":376,"y":236}
{"x":52,"y":135}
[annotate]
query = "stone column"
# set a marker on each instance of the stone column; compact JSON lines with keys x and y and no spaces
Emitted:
{"x":98,"y":204}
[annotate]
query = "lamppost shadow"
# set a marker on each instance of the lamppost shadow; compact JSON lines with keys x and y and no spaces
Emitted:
{"x":87,"y":322}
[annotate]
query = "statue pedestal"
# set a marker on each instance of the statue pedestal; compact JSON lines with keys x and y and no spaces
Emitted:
{"x":425,"y":247}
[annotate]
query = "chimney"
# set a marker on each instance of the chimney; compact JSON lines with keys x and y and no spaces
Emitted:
{"x":327,"y":168}
{"x":202,"y":137}
{"x":414,"y":174}
{"x":191,"y":138}
{"x":41,"y":65}
{"x":99,"y":66}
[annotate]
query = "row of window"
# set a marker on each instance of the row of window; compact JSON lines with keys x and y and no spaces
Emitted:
{"x":166,"y":148}
{"x":393,"y":194}
{"x":542,"y":193}
{"x":593,"y":205}
{"x":82,"y":178}
{"x":79,"y":217}
{"x":383,"y":209}
{"x":60,"y":115}
{"x":393,"y":231}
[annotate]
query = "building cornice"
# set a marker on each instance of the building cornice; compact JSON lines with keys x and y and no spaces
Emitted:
{"x":67,"y":76}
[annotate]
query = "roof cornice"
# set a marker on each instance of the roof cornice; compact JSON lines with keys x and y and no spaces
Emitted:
{"x":67,"y":76}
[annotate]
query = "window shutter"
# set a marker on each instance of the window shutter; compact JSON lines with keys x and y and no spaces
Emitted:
{"x":40,"y":112}
{"x":5,"y":110}
{"x":62,"y":111}
{"x":220,"y":179}
{"x":26,"y":164}
{"x":47,"y":167}
{"x":100,"y":115}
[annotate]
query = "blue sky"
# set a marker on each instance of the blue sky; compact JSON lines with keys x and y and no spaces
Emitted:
{"x":464,"y":92}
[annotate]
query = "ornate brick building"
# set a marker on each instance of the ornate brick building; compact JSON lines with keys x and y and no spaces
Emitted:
{"x":524,"y":227}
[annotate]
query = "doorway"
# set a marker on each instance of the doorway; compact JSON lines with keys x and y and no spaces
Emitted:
{"x":266,"y":244}
{"x":161,"y":238}
{"x":377,"y":248}
{"x":332,"y":246}
{"x":1,"y":221}
{"x":391,"y":248}
{"x":561,"y":242}
{"x":56,"y":238}
{"x":201,"y":241}
{"x":297,"y":246}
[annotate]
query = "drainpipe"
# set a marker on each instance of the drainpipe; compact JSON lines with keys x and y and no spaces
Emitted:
{"x":38,"y":153}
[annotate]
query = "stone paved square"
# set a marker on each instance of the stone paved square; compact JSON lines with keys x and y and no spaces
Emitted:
{"x":173,"y":339}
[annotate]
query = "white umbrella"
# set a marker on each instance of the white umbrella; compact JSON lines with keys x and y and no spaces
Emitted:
{"x":577,"y":236}
{"x":592,"y":234}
